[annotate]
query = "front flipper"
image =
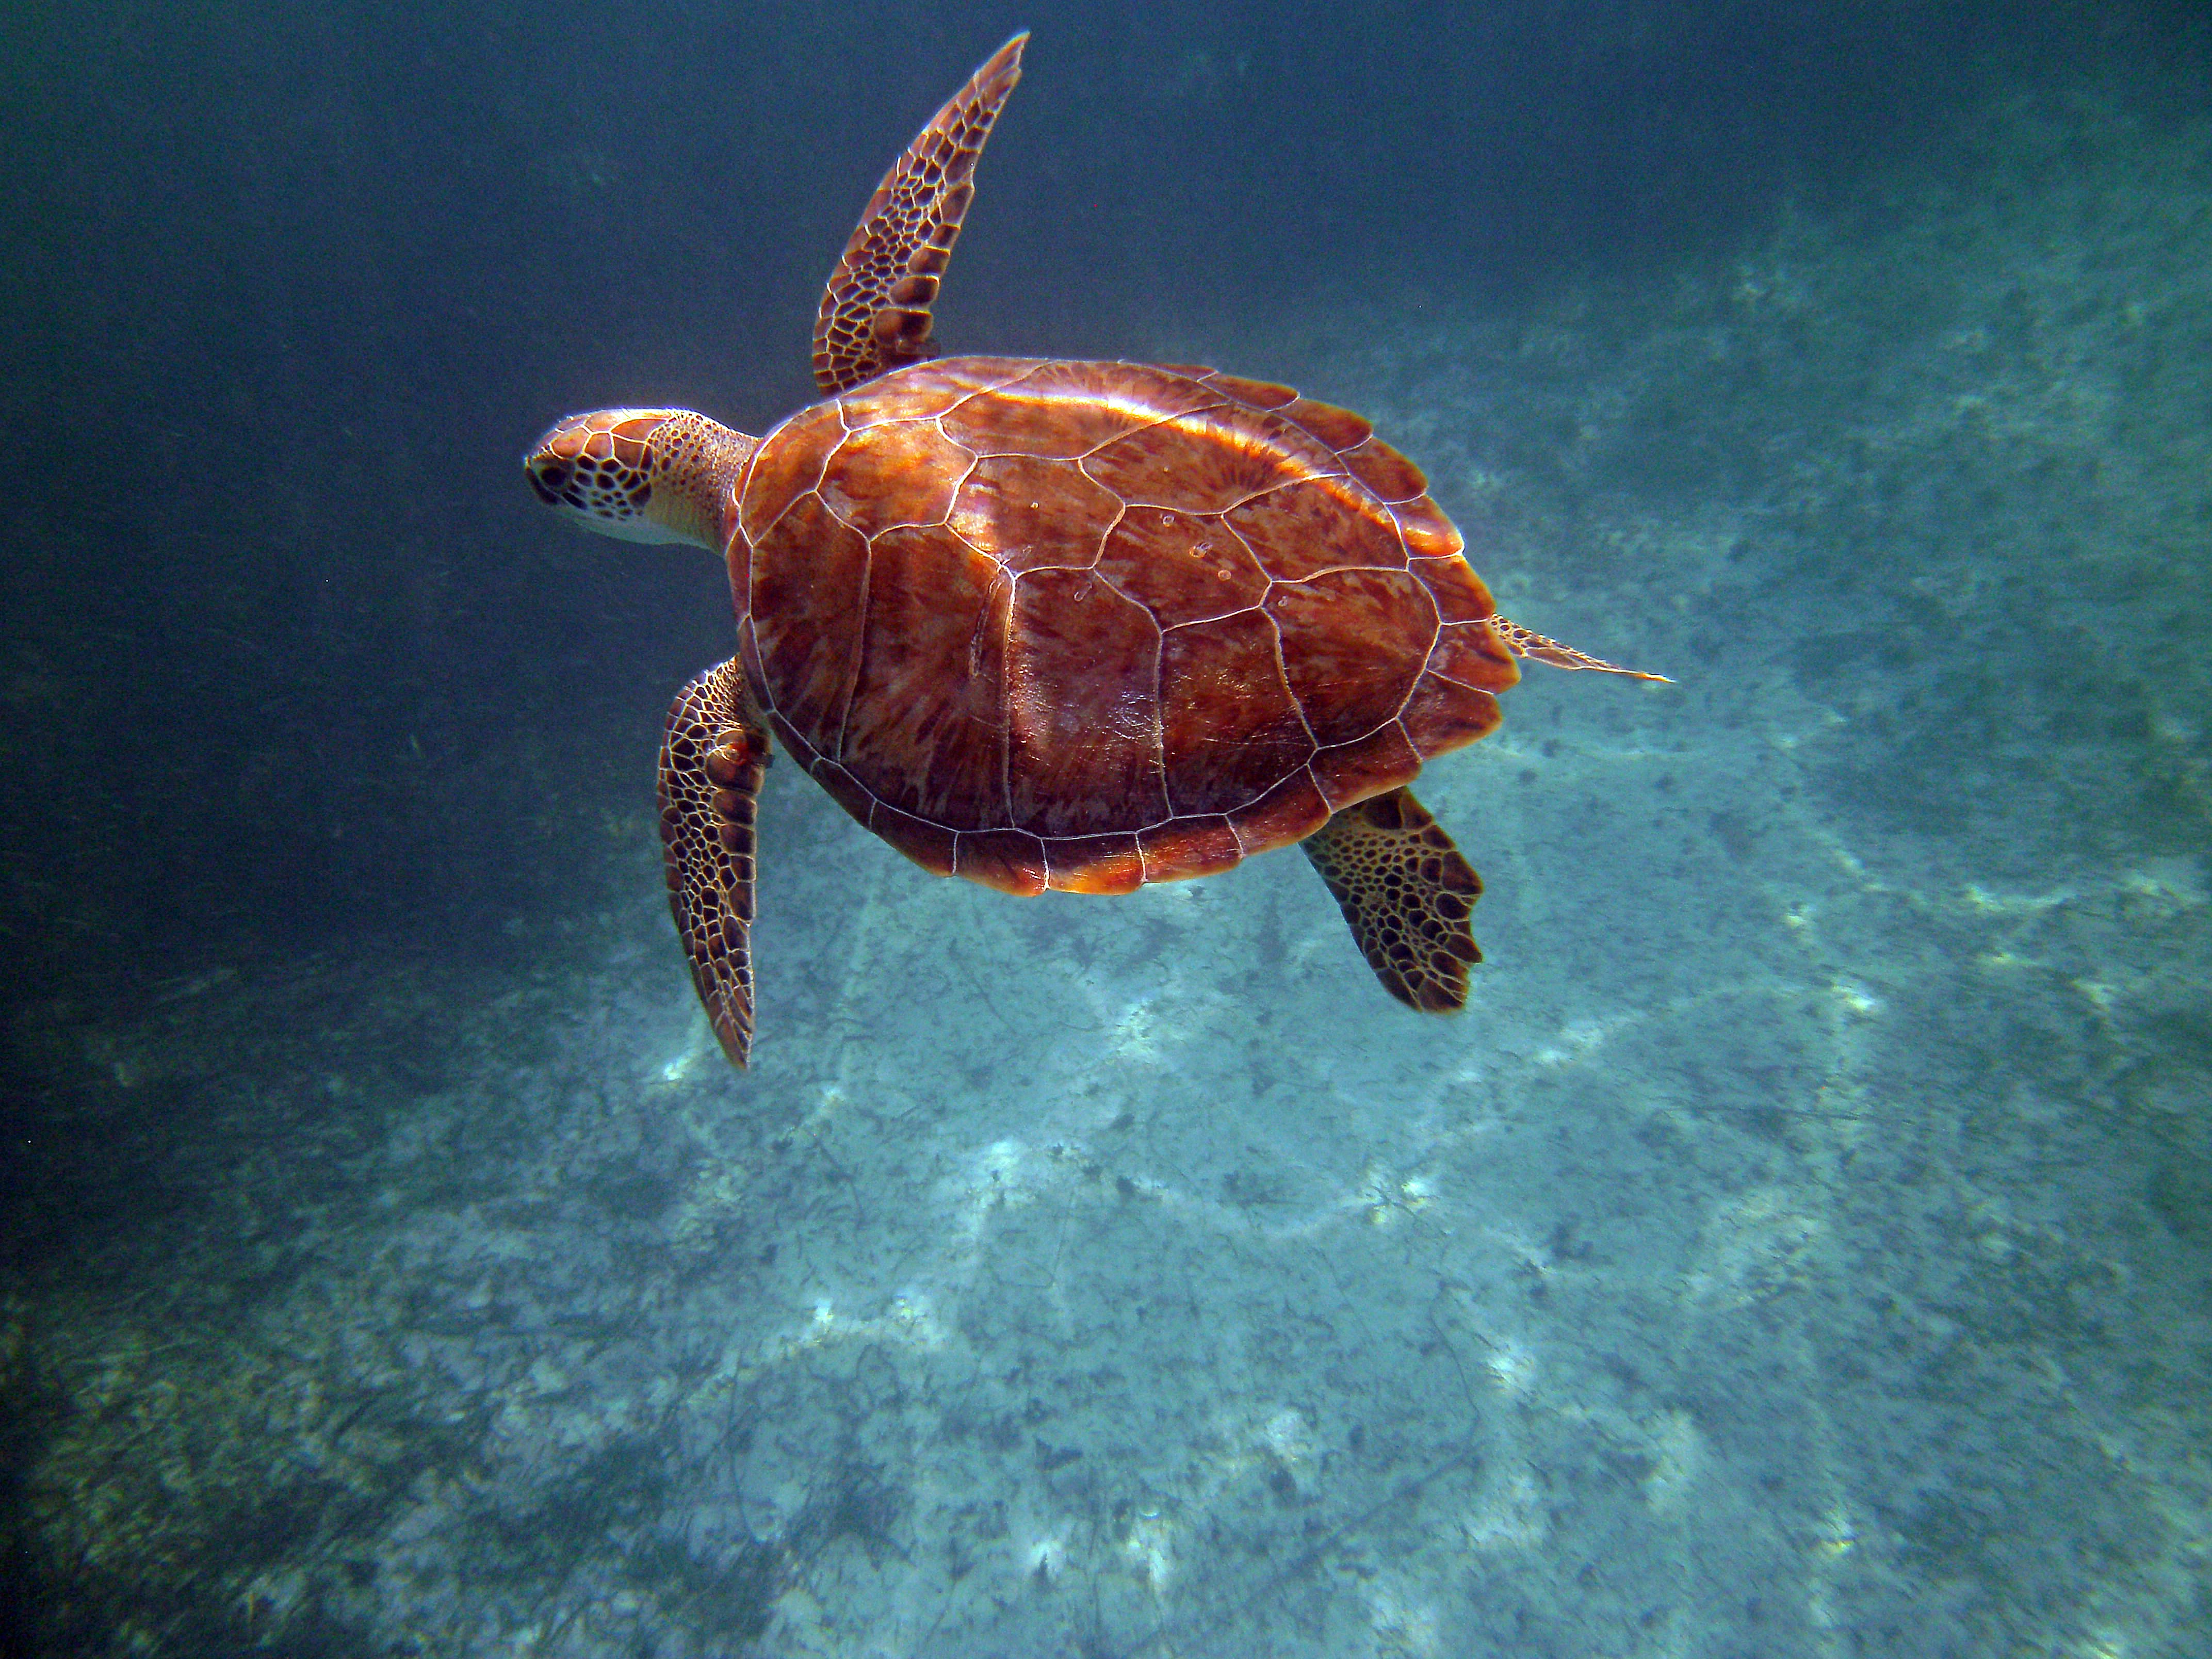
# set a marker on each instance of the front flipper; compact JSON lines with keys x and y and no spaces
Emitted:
{"x":1408,"y":894}
{"x":875,"y":314}
{"x":712,"y":760}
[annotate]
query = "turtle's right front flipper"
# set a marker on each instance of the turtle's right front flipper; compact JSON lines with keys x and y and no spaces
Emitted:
{"x":712,"y":760}
{"x":875,"y":314}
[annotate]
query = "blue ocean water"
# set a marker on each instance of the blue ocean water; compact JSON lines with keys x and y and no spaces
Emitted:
{"x":1801,"y":1244}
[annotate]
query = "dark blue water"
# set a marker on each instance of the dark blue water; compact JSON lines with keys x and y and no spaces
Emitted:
{"x":1802,"y":1245}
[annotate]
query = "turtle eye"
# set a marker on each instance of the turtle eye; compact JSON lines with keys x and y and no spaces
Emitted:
{"x":549,"y":479}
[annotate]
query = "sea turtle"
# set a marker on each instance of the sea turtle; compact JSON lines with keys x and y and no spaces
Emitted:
{"x":1044,"y":624}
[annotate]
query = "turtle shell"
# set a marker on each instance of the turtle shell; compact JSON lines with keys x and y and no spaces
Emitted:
{"x":1086,"y":625}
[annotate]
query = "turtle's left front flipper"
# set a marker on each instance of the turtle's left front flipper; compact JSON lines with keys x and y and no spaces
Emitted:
{"x":1408,"y":894}
{"x":713,"y":758}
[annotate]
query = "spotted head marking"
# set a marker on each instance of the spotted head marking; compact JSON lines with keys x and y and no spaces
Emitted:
{"x":642,"y":475}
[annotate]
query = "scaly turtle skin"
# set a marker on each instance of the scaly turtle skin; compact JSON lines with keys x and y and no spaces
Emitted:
{"x":1054,"y":624}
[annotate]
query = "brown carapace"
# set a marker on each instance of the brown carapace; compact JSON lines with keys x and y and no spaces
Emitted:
{"x":1057,"y":624}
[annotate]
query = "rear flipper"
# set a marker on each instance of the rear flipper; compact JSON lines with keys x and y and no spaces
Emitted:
{"x":1408,"y":894}
{"x":1528,"y":642}
{"x":712,"y":760}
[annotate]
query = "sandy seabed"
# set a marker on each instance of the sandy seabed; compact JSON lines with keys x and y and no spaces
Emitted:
{"x":1802,"y":1245}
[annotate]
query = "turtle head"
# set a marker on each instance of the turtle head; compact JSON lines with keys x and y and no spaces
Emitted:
{"x":645,"y":474}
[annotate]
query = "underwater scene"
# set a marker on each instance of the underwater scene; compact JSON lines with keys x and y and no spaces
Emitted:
{"x":1800,"y":1243}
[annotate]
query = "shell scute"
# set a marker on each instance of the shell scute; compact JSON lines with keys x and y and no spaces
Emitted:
{"x":1181,"y":568}
{"x":1472,"y":655}
{"x":801,"y":619}
{"x":1066,"y":411}
{"x":1208,"y":460}
{"x":1032,"y":513}
{"x":1261,"y":394}
{"x":788,"y":464}
{"x":1317,"y":524}
{"x":1231,"y":727}
{"x":1201,"y":844}
{"x":932,"y":846}
{"x":1083,"y":733}
{"x":1457,"y":592}
{"x":1362,"y":637}
{"x":948,"y":383}
{"x":1008,"y":859}
{"x":889,"y":474}
{"x":1289,"y":811}
{"x":1428,"y":534}
{"x":1441,"y":714}
{"x":1384,"y":471}
{"x":1382,"y":759}
{"x":1339,"y":429}
{"x":839,"y":784}
{"x":1096,"y":864}
{"x":923,"y":730}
